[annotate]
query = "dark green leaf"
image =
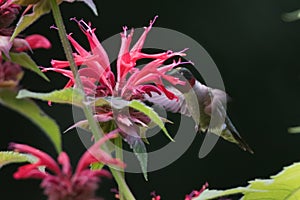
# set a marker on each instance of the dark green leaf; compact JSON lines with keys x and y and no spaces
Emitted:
{"x":25,"y":61}
{"x":29,"y":109}
{"x":66,"y":96}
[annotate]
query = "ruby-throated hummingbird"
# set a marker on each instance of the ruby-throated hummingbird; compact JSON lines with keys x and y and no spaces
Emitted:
{"x":209,"y":113}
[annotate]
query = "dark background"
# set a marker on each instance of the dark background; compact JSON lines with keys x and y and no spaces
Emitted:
{"x":257,"y":54}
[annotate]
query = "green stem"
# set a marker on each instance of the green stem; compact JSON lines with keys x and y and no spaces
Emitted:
{"x":119,"y":155}
{"x":97,"y":132}
{"x":123,"y":188}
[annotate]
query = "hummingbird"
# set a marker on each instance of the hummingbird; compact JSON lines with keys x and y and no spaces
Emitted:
{"x":210,"y":104}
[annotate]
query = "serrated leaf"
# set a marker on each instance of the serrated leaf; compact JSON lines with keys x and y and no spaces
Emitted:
{"x":39,"y":9}
{"x":294,"y":130}
{"x":25,"y":61}
{"x":151,"y":114}
{"x":9,"y":157}
{"x":30,"y":110}
{"x":66,"y":96}
{"x":140,"y":151}
{"x":284,"y":185}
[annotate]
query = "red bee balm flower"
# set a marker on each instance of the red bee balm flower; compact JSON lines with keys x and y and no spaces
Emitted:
{"x":131,"y":83}
{"x":59,"y":183}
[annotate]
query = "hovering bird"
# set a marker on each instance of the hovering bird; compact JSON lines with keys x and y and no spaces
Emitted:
{"x":209,"y":112}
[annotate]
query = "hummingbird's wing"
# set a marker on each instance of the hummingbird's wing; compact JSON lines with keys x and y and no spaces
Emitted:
{"x":221,"y":124}
{"x":175,"y":105}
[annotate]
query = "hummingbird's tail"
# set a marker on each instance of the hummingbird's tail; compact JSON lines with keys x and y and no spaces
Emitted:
{"x":236,"y":136}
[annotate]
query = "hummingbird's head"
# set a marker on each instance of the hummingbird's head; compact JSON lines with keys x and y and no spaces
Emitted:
{"x":186,"y":76}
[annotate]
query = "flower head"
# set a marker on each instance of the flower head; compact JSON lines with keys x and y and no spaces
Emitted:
{"x":58,"y":182}
{"x":130,"y":82}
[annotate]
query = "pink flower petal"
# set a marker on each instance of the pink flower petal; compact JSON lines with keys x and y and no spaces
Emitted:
{"x":95,"y":45}
{"x":95,"y":154}
{"x":44,"y":159}
{"x":64,"y":160}
{"x":37,"y":41}
{"x":78,"y":47}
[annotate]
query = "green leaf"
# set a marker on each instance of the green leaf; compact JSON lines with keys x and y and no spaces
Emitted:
{"x":212,"y":194}
{"x":291,"y":16}
{"x":9,"y":157}
{"x":40,"y":8}
{"x":30,"y":110}
{"x":140,"y":151}
{"x":119,"y":104}
{"x":151,"y":114}
{"x":66,"y":96}
{"x":25,"y":61}
{"x":294,"y":130}
{"x":284,"y":185}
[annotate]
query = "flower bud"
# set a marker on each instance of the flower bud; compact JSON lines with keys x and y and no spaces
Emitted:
{"x":10,"y":74}
{"x":8,"y":13}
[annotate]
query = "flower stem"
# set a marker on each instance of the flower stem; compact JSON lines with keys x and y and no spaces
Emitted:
{"x":119,"y":155}
{"x":97,"y":132}
{"x":123,"y":188}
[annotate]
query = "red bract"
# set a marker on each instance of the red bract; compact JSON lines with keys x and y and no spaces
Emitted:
{"x":58,"y":182}
{"x":34,"y":41}
{"x":30,"y":42}
{"x":130,"y":82}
